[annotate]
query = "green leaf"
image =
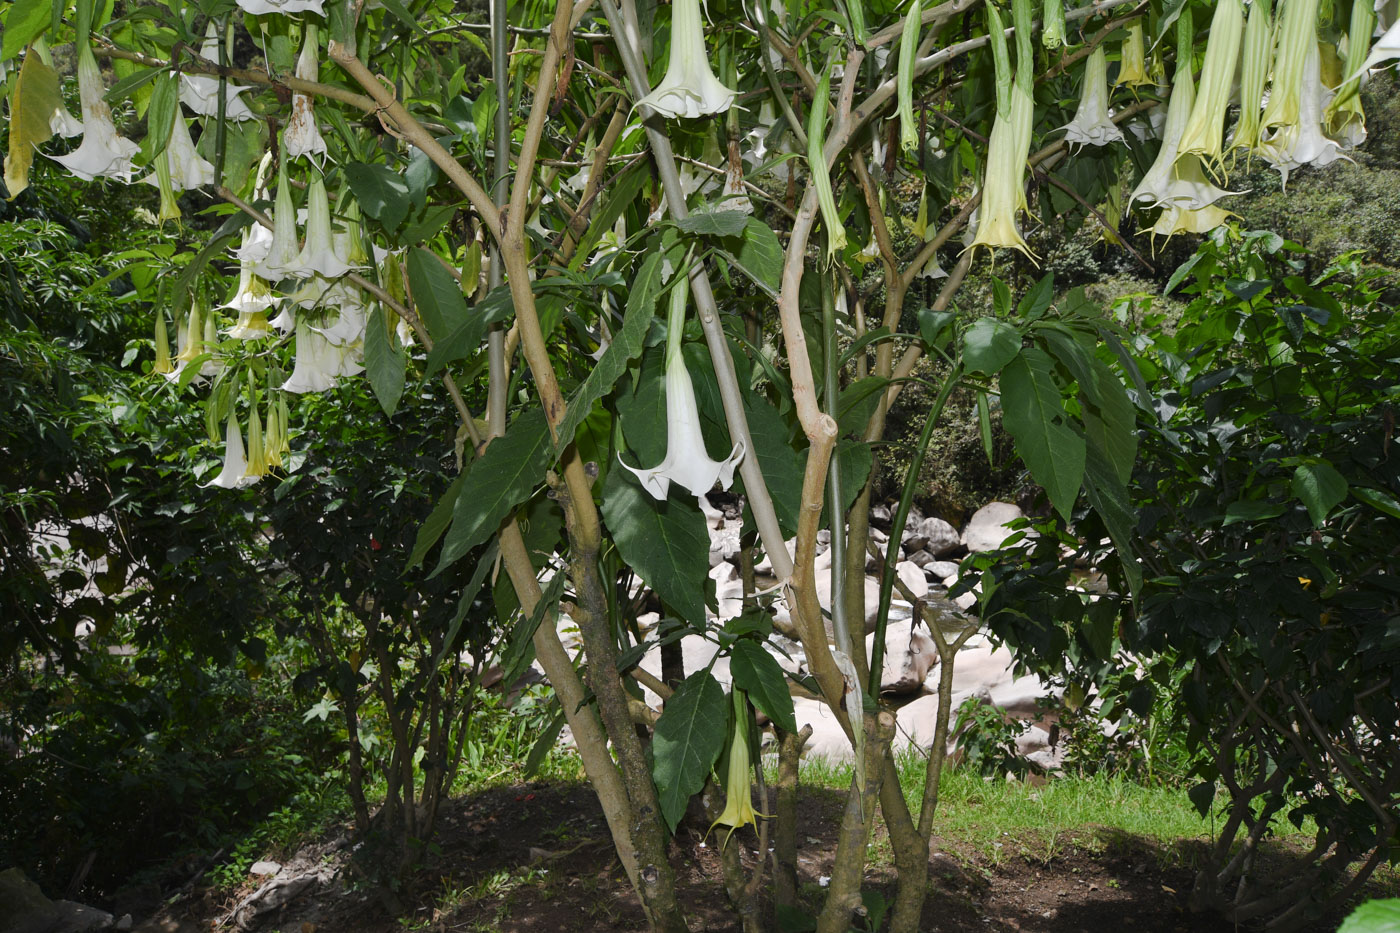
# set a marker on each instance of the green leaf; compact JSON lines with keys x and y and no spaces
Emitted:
{"x":689,"y":737}
{"x":989,"y":345}
{"x":1036,"y":302}
{"x":1109,"y":420}
{"x":665,"y":541}
{"x":381,"y":191}
{"x":161,"y":114}
{"x":1319,"y":487}
{"x":385,"y":361}
{"x":716,"y":223}
{"x":757,"y":673}
{"x":497,"y":482}
{"x":934,"y":326}
{"x":1377,"y":500}
{"x":437,"y":298}
{"x":781,"y":466}
{"x":1202,"y":796}
{"x":626,"y":344}
{"x":1108,"y":495}
{"x":436,"y":522}
{"x":1251,"y":510}
{"x":1035,"y":417}
{"x":984,"y":427}
{"x":761,"y":254}
{"x":857,"y":402}
{"x":519,"y":648}
{"x":26,"y":21}
{"x":1379,"y":916}
{"x":1001,"y":298}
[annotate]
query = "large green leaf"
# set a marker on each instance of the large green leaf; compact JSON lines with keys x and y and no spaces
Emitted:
{"x":385,"y":361}
{"x":436,"y":523}
{"x":715,"y":223}
{"x":438,"y":299}
{"x":626,"y":344}
{"x":161,"y":114}
{"x":497,"y":482}
{"x":665,"y":541}
{"x":761,"y":256}
{"x":781,"y":466}
{"x":381,"y":191}
{"x":1380,"y":916}
{"x":989,"y":345}
{"x":758,"y":673}
{"x":689,"y":737}
{"x":25,"y":22}
{"x":1035,"y":416}
{"x":1109,"y":497}
{"x":1319,"y":487}
{"x":857,"y":402}
{"x":1109,"y":419}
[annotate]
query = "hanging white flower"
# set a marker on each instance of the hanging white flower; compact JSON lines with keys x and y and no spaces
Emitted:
{"x":690,"y":88}
{"x":234,"y":474}
{"x":102,"y":153}
{"x":200,"y":93}
{"x":302,"y":136}
{"x":1091,"y":124}
{"x":261,"y":7}
{"x":319,"y":254}
{"x":188,"y":169}
{"x":686,"y":461}
{"x":1303,"y":142}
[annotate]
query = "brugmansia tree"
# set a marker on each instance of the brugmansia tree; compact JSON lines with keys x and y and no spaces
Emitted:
{"x":641,"y":241}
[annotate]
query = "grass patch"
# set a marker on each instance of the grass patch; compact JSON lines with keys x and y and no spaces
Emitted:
{"x":995,"y":818}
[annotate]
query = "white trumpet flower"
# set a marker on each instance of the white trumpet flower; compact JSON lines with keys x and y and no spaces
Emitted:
{"x":261,"y":7}
{"x":188,"y":169}
{"x":319,"y":254}
{"x":1177,"y":180}
{"x":690,"y":88}
{"x":1303,"y":142}
{"x":234,"y":474}
{"x":302,"y":136}
{"x":283,"y":259}
{"x":319,"y":363}
{"x":1091,"y":124}
{"x":1387,"y":47}
{"x":686,"y":462}
{"x":1008,"y":148}
{"x":102,"y":153}
{"x":200,"y":93}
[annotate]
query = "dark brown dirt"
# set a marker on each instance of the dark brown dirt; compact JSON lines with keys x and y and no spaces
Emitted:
{"x":537,"y":858}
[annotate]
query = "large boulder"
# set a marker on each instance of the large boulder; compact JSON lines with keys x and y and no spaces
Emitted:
{"x":987,"y":529}
{"x":25,"y":909}
{"x":909,"y":655}
{"x":940,"y":538}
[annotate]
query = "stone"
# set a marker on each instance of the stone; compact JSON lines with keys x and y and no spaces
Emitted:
{"x":880,"y":516}
{"x":944,"y":570}
{"x":79,"y":918}
{"x":940,"y":538}
{"x":912,"y":576}
{"x":921,"y":558}
{"x":909,"y":655}
{"x":966,"y":601}
{"x":265,"y":867}
{"x":987,"y":528}
{"x":828,"y":739}
{"x":27,"y":910}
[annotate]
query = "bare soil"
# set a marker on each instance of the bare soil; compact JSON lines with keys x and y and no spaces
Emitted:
{"x":537,"y":858}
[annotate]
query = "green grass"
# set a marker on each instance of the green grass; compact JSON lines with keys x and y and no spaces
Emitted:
{"x":996,"y":818}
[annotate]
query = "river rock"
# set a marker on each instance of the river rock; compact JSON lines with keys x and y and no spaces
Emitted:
{"x":912,"y":576}
{"x":921,"y":558}
{"x":909,"y":655}
{"x":940,"y":538}
{"x":25,"y":909}
{"x":987,"y":529}
{"x":944,"y":570}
